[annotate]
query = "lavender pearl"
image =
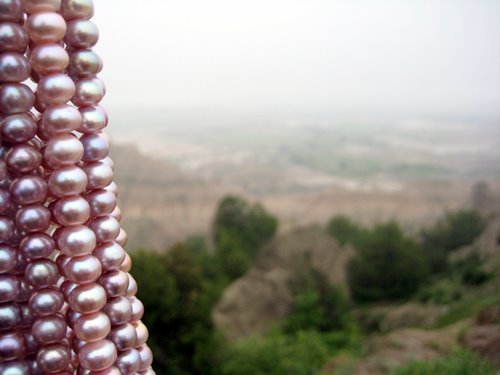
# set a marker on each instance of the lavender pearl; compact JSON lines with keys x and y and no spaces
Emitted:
{"x":7,"y":258}
{"x":18,"y":128}
{"x":71,"y":210}
{"x":123,"y":336}
{"x":5,"y":202}
{"x":132,"y":286}
{"x":23,"y":158}
{"x":137,"y":309}
{"x":16,"y":367}
{"x":41,"y":273}
{"x":105,"y":228}
{"x":31,"y":345}
{"x":115,"y":283}
{"x":122,"y":237}
{"x":33,"y":218}
{"x":35,"y":6}
{"x":13,"y":37}
{"x":110,"y":254}
{"x":25,"y":290}
{"x":95,"y":147}
{"x":27,"y":316}
{"x":37,"y":245}
{"x":87,"y":298}
{"x":119,"y":310}
{"x":14,"y":67}
{"x":99,"y":175}
{"x":64,"y":149}
{"x":12,"y":346}
{"x":53,"y":358}
{"x":10,"y":316}
{"x":101,"y":202}
{"x":117,"y":214}
{"x":72,"y":9}
{"x":109,"y":371}
{"x":85,"y":63}
{"x":49,"y":58}
{"x":81,"y":34}
{"x":49,"y":329}
{"x":10,"y":10}
{"x":54,"y":89}
{"x":97,"y":355}
{"x":82,"y":269}
{"x":146,"y":357}
{"x":46,"y":27}
{"x":28,"y":189}
{"x":94,"y":119}
{"x":112,"y":187}
{"x":89,"y":91}
{"x":15,"y":98}
{"x":128,"y":361}
{"x":75,"y":240}
{"x":69,"y":180}
{"x":7,"y":229}
{"x":72,"y":317}
{"x":141,"y":332}
{"x":46,"y":302}
{"x":92,"y":327}
{"x":60,"y":119}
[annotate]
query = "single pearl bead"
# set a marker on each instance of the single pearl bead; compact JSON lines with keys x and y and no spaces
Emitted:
{"x":97,"y":355}
{"x":27,"y":316}
{"x":99,"y":175}
{"x":12,"y":346}
{"x":142,"y":333}
{"x":119,"y":310}
{"x":75,"y":240}
{"x":123,"y":336}
{"x":46,"y":302}
{"x":92,"y":327}
{"x":137,"y":309}
{"x":53,"y":90}
{"x":13,"y":37}
{"x":101,"y":202}
{"x":31,"y":345}
{"x":81,"y":34}
{"x":7,"y":229}
{"x":146,"y":357}
{"x":94,"y":119}
{"x":41,"y":273}
{"x":128,"y":361}
{"x":36,"y":6}
{"x":23,"y":158}
{"x":14,"y":67}
{"x":82,"y":9}
{"x":10,"y":10}
{"x":112,"y":187}
{"x":117,"y":214}
{"x":83,"y":269}
{"x":132,"y":286}
{"x":10,"y":316}
{"x":105,"y":228}
{"x":49,"y":58}
{"x":28,"y":189}
{"x":53,"y":358}
{"x":7,"y":258}
{"x":87,"y":298}
{"x":60,"y":119}
{"x":37,"y":245}
{"x":16,"y":367}
{"x":89,"y":91}
{"x":85,"y":63}
{"x":46,"y":27}
{"x":122,"y":239}
{"x":71,"y":210}
{"x":95,"y":147}
{"x":33,"y":218}
{"x":69,"y":180}
{"x":107,"y":160}
{"x":115,"y":283}
{"x":64,"y":149}
{"x":18,"y":128}
{"x":111,"y":255}
{"x":15,"y":98}
{"x":49,"y":329}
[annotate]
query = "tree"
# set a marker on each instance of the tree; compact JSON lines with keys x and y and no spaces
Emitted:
{"x":344,"y":230}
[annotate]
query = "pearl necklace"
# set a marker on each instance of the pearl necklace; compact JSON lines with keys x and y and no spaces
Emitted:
{"x":67,"y":301}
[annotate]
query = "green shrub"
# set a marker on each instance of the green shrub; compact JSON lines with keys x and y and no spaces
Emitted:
{"x":344,"y":230}
{"x":441,"y":292}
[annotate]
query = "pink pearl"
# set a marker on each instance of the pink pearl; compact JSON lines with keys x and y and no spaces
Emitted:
{"x":122,"y":239}
{"x":37,"y":245}
{"x":10,"y":316}
{"x":53,"y":358}
{"x":97,"y":355}
{"x":105,"y":228}
{"x":68,"y":180}
{"x":142,"y":333}
{"x":16,"y":367}
{"x":25,"y":291}
{"x":128,"y":361}
{"x":148,"y":371}
{"x":119,"y":310}
{"x":95,"y":147}
{"x":83,"y":269}
{"x":92,"y":327}
{"x":41,"y":273}
{"x":6,"y":206}
{"x":112,"y":187}
{"x":107,"y":159}
{"x":99,"y":175}
{"x":75,"y":240}
{"x":49,"y":58}
{"x":81,"y":34}
{"x":60,"y":119}
{"x":10,"y":10}
{"x":23,"y":158}
{"x":72,"y":9}
{"x":115,"y":283}
{"x":46,"y":27}
{"x":87,"y":298}
{"x":53,"y":90}
{"x":7,"y":258}
{"x":109,"y":371}
{"x":89,"y":91}
{"x":72,"y":317}
{"x":123,"y":336}
{"x":146,"y":357}
{"x":7,"y":229}
{"x":110,"y":254}
{"x":101,"y":202}
{"x":117,"y":214}
{"x":137,"y":309}
{"x":12,"y":346}
{"x":15,"y":98}
{"x":13,"y":37}
{"x":49,"y":329}
{"x":132,"y":286}
{"x":33,"y":218}
{"x":31,"y":345}
{"x":36,"y":6}
{"x":64,"y":149}
{"x":14,"y":67}
{"x":18,"y":128}
{"x":27,"y":316}
{"x":85,"y":63}
{"x":46,"y":301}
{"x":71,"y":210}
{"x":94,"y":120}
{"x":28,"y":189}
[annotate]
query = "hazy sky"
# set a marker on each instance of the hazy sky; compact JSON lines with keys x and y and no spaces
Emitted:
{"x":359,"y":56}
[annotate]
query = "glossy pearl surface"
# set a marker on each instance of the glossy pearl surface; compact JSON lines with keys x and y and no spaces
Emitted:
{"x":50,"y":58}
{"x":87,"y":298}
{"x":41,"y":273}
{"x":101,"y":202}
{"x":12,"y":346}
{"x":13,"y":37}
{"x":81,"y":34}
{"x":28,"y":189}
{"x":23,"y":158}
{"x":64,"y":149}
{"x":54,"y":89}
{"x":49,"y":329}
{"x":33,"y":218}
{"x":75,"y":240}
{"x":94,"y":119}
{"x":8,"y":258}
{"x":16,"y":98}
{"x":128,"y":361}
{"x":10,"y":316}
{"x":37,"y":245}
{"x":106,"y":228}
{"x":45,"y":27}
{"x":99,"y":175}
{"x":35,"y":6}
{"x":95,"y":147}
{"x":67,"y":180}
{"x":71,"y":210}
{"x":82,"y":269}
{"x":60,"y":119}
{"x":97,"y":355}
{"x":92,"y":327}
{"x":115,"y":283}
{"x":53,"y":358}
{"x":18,"y":128}
{"x":123,"y":336}
{"x":119,"y":310}
{"x":111,"y":255}
{"x":14,"y":67}
{"x":46,"y":301}
{"x":85,"y":63}
{"x":72,"y":9}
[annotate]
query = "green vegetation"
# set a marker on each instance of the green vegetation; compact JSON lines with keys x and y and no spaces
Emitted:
{"x":344,"y":230}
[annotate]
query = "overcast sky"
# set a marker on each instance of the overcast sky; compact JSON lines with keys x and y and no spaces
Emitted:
{"x":359,"y":56}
